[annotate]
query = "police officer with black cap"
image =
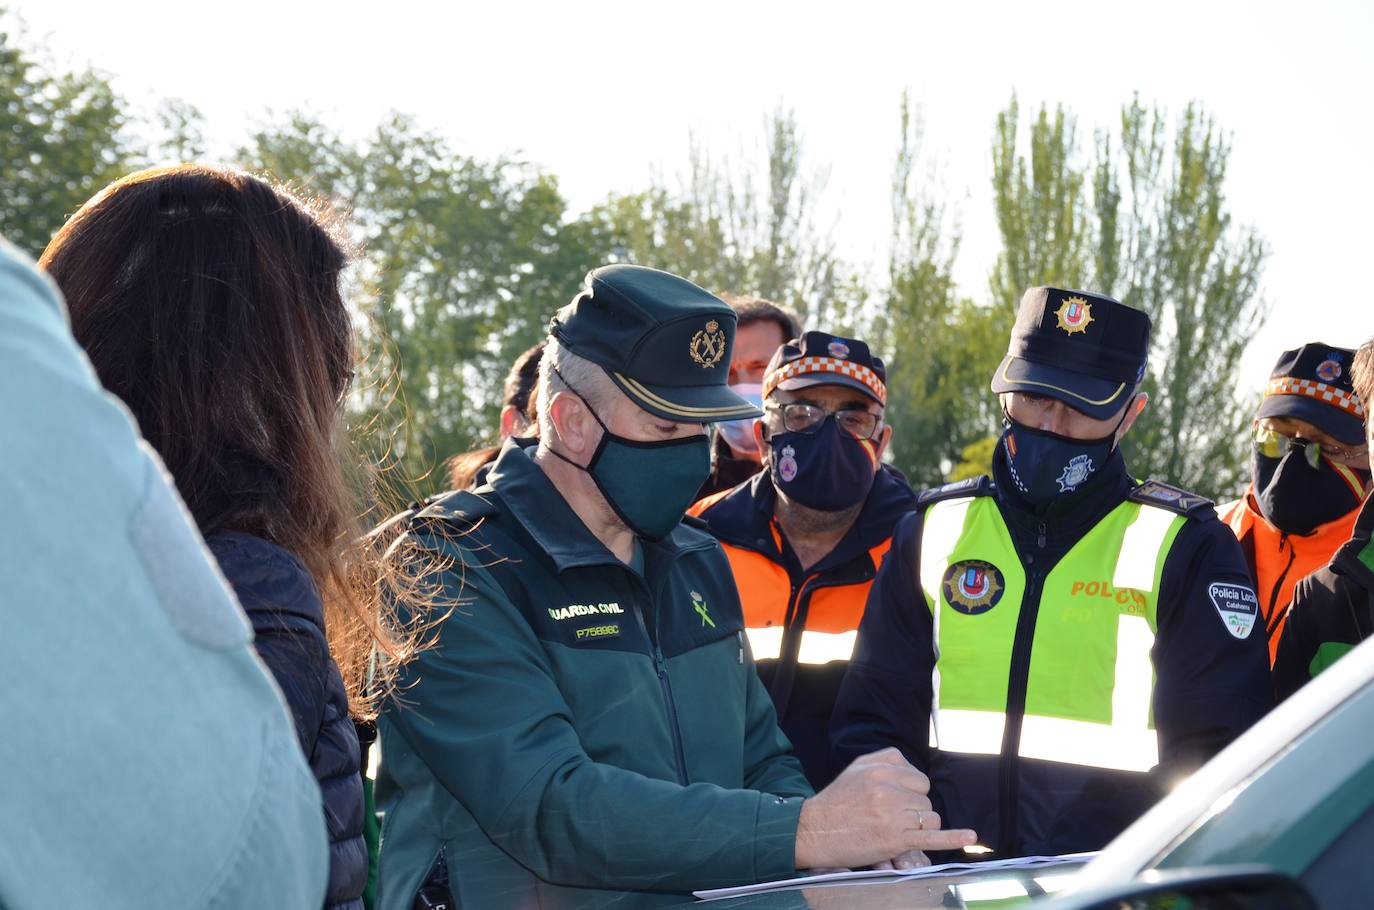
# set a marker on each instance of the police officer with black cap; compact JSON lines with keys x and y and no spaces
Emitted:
{"x":1058,"y":644}
{"x":588,"y":729}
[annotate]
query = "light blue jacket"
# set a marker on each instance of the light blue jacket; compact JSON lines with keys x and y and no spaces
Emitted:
{"x":146,"y":759}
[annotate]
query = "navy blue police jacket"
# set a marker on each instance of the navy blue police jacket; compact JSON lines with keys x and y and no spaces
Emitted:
{"x":1210,"y":686}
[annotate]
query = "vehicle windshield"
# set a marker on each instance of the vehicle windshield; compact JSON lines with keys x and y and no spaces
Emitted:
{"x":1308,"y":809}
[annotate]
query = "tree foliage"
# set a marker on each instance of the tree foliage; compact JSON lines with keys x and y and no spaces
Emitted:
{"x":1041,"y":205}
{"x":941,"y":347}
{"x":1149,"y":225}
{"x":463,"y":263}
{"x":736,"y":227}
{"x":62,"y":137}
{"x":1197,"y":274}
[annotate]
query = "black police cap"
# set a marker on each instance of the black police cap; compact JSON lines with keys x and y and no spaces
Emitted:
{"x":1087,"y":350}
{"x":1312,"y":383}
{"x":665,"y":342}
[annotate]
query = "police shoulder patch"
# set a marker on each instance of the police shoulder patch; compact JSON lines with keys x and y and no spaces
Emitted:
{"x":972,"y":486}
{"x":1175,"y":499}
{"x":1236,"y":604}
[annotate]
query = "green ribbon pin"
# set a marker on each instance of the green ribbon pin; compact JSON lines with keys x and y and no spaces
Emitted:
{"x":699,"y":603}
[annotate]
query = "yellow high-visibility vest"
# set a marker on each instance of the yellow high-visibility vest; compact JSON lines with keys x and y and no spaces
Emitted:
{"x":1090,"y":682}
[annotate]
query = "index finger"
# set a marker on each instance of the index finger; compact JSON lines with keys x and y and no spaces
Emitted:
{"x":952,"y":839}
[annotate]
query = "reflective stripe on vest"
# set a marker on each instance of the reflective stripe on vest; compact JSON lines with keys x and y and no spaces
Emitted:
{"x":832,"y":617}
{"x":816,"y":647}
{"x":1090,"y":683}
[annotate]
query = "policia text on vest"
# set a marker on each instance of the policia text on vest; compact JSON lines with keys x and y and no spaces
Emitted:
{"x":1065,"y":671}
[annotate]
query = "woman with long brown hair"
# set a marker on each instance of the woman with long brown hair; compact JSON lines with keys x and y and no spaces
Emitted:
{"x":208,"y":301}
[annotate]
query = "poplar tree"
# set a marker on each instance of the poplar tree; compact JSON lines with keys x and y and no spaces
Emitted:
{"x":741,"y":224}
{"x":941,"y":347}
{"x":1146,"y":223}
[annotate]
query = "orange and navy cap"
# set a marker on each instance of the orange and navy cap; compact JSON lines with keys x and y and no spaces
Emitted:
{"x":1312,"y":383}
{"x":1085,"y":349}
{"x":819,"y":358}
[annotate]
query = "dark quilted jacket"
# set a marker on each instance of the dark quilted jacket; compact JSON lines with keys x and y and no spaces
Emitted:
{"x":283,"y":604}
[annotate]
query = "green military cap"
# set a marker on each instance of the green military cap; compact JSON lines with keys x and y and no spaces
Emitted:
{"x":665,"y":342}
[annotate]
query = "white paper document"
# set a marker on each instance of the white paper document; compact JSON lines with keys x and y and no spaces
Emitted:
{"x":1020,"y":862}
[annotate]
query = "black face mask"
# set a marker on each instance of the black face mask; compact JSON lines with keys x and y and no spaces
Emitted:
{"x":1045,"y":465}
{"x":828,"y":470}
{"x":1297,"y":498}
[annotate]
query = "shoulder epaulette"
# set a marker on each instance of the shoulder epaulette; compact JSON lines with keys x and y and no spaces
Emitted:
{"x":693,"y":521}
{"x":973,"y":486}
{"x":1174,"y":499}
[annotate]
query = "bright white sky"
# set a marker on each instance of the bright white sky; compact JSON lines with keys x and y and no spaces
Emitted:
{"x":602,"y":94}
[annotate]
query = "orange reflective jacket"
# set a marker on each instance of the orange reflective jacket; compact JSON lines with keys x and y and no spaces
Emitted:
{"x":1278,"y":560}
{"x":802,"y":625}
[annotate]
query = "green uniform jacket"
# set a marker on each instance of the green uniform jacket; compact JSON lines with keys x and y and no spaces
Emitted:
{"x":582,"y":734}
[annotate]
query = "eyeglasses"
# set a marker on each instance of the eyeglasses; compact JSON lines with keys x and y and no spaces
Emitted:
{"x":799,"y":417}
{"x":1272,"y":444}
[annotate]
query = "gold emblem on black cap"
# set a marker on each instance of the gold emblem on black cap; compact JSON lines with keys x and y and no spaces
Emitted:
{"x":708,"y":345}
{"x":1074,"y":314}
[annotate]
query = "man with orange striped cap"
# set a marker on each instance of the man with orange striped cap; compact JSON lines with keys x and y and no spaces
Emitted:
{"x":805,"y":537}
{"x":1309,"y":473}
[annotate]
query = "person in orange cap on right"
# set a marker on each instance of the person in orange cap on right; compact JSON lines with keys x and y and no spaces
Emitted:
{"x":1309,"y":475}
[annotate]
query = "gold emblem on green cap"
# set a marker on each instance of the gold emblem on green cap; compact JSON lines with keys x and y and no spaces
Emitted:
{"x":1074,"y":314}
{"x":708,"y":345}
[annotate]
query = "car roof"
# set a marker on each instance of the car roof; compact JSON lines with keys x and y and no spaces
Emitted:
{"x":1143,"y":843}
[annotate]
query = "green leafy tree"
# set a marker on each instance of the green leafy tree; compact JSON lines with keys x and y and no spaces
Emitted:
{"x":941,"y":348}
{"x":1149,"y":225}
{"x":62,"y":137}
{"x":463,"y":264}
{"x":738,"y":228}
{"x":180,"y":130}
{"x":1184,"y":261}
{"x":1041,"y":205}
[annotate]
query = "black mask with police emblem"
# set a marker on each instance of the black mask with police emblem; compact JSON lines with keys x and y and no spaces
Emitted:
{"x":1045,"y":465}
{"x":1297,"y":498}
{"x":827,"y":470}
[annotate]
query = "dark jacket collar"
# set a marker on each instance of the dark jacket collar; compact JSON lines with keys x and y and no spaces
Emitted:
{"x":533,"y":500}
{"x":1067,"y":518}
{"x":744,"y":516}
{"x":1355,"y":558}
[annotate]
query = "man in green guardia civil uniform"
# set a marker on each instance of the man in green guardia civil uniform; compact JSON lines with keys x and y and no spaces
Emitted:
{"x":588,"y":730}
{"x":1058,"y":644}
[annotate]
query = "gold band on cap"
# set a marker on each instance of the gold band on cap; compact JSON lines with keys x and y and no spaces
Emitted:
{"x":1070,"y":392}
{"x":688,"y":413}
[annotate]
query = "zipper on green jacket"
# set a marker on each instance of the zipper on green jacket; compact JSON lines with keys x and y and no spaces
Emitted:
{"x":669,"y":705}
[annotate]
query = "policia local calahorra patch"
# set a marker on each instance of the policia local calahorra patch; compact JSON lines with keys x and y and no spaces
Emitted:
{"x":1237,"y":605}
